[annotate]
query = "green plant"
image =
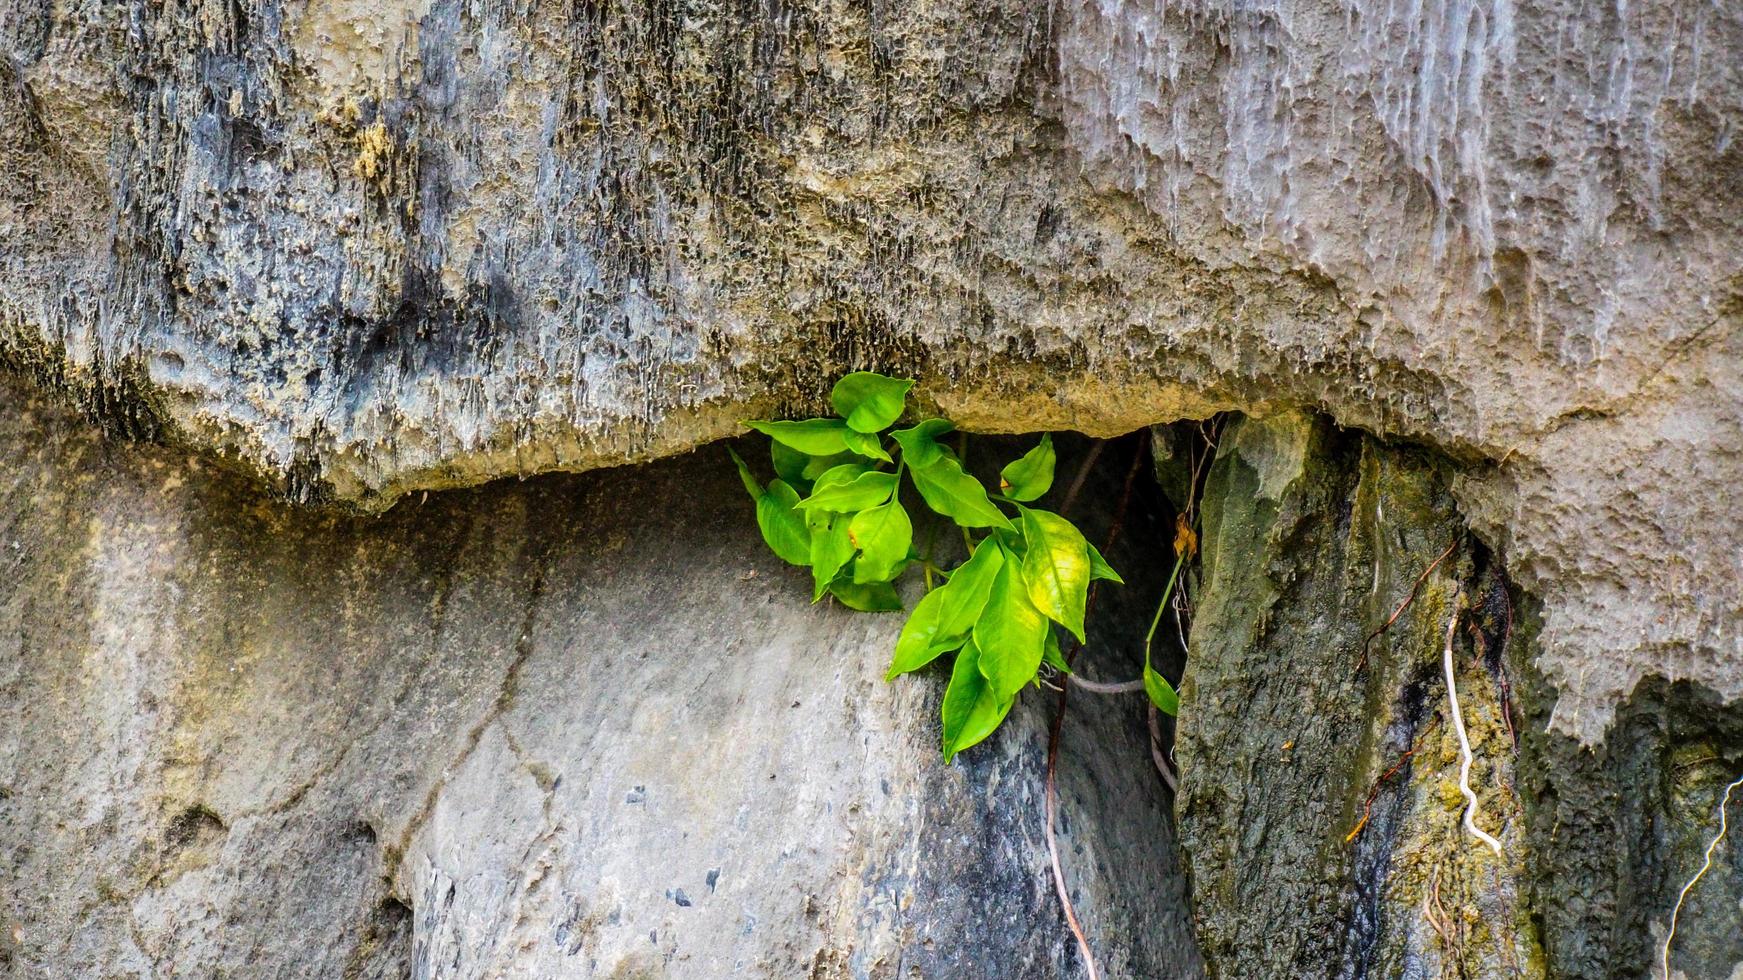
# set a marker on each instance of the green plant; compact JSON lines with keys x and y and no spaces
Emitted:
{"x":835,"y":505}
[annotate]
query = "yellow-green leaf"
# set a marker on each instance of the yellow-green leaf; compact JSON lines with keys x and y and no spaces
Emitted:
{"x":1053,"y":655}
{"x":1011,"y":633}
{"x":920,"y":642}
{"x":965,"y":595}
{"x":1056,"y":568}
{"x":790,"y":463}
{"x":830,"y":550}
{"x":1099,"y":568}
{"x":1030,"y":475}
{"x":866,"y":444}
{"x":869,"y":402}
{"x":972,"y":710}
{"x":782,"y":527}
{"x":941,"y":621}
{"x":745,"y":476}
{"x":819,"y":465}
{"x":884,"y":536}
{"x":1162,"y":693}
{"x":864,"y":490}
{"x":842,"y":473}
{"x":814,"y":437}
{"x":920,"y":444}
{"x":872,"y":597}
{"x":955,"y":494}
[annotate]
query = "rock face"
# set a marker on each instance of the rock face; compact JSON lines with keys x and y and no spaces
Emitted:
{"x":582,"y":726}
{"x":1319,"y":769}
{"x":1467,"y":263}
{"x":368,"y":249}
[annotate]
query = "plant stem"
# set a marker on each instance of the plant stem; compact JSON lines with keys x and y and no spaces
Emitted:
{"x":1369,"y":639}
{"x":1053,"y":846}
{"x":1105,"y":687}
{"x":1167,"y":592}
{"x":1156,"y":754}
{"x":1082,"y":475}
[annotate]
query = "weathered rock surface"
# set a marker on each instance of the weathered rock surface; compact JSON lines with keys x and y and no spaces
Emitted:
{"x":373,"y":248}
{"x":1319,"y":772}
{"x":583,"y":726}
{"x":1465,"y":263}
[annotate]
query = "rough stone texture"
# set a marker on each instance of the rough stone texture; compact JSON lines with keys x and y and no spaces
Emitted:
{"x":1312,"y":538}
{"x":583,"y":726}
{"x":371,"y":248}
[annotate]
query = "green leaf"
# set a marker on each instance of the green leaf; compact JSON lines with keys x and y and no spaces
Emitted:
{"x":864,"y":490}
{"x":1053,"y":655}
{"x":1011,"y":633}
{"x":866,"y":445}
{"x":744,"y":474}
{"x":920,"y":444}
{"x":1030,"y":475}
{"x":965,"y":595}
{"x":869,"y":402}
{"x":1099,"y":568}
{"x":871,"y":597}
{"x":820,"y":465}
{"x":1162,"y":693}
{"x":955,"y":494}
{"x":941,"y":621}
{"x":830,"y":550}
{"x":921,"y":641}
{"x":1056,"y":569}
{"x":972,"y":709}
{"x":782,"y":527}
{"x":790,"y":463}
{"x":814,"y":437}
{"x":843,"y":473}
{"x":884,"y":536}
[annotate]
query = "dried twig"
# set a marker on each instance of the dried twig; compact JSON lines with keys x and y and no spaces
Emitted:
{"x":1435,"y":913}
{"x":1374,"y":790}
{"x":1156,"y":754}
{"x":1053,"y":844}
{"x":1706,"y":864}
{"x":1052,"y":803}
{"x":1082,"y":475}
{"x":1371,"y":637}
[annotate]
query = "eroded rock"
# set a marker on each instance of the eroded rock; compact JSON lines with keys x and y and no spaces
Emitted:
{"x":580,"y":726}
{"x":367,"y":250}
{"x":1320,"y":810}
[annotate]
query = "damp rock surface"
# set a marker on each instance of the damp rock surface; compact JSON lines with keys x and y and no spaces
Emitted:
{"x":1320,"y":813}
{"x":371,"y":249}
{"x":582,"y":726}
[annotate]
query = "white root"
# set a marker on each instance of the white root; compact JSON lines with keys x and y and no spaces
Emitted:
{"x":1705,"y":866}
{"x":1458,"y":720}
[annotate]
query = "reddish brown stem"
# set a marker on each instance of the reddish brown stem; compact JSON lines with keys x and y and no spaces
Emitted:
{"x":1059,"y":715}
{"x":1362,"y":663}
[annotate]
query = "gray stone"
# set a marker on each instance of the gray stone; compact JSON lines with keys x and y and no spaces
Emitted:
{"x":370,"y":249}
{"x":582,"y":726}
